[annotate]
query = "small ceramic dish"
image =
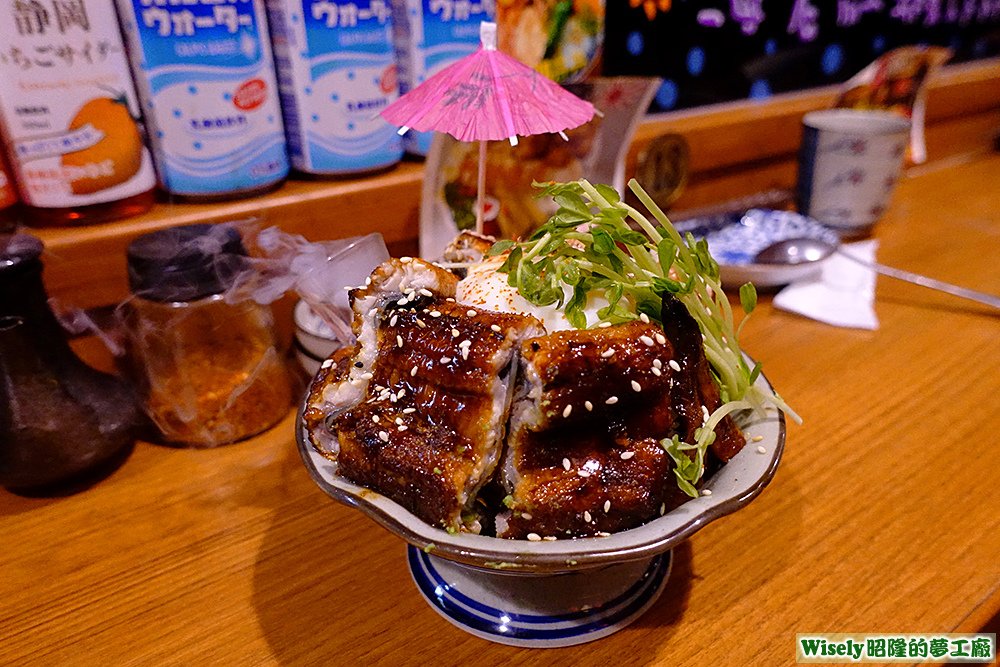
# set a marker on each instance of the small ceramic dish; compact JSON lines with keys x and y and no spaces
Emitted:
{"x":561,"y":592}
{"x":734,"y":239}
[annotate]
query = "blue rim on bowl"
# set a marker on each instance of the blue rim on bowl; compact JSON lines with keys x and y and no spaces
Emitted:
{"x":733,"y":486}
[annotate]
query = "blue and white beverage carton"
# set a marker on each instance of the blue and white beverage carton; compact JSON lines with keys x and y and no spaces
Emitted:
{"x":429,"y":35}
{"x":337,"y":72}
{"x":206,"y":77}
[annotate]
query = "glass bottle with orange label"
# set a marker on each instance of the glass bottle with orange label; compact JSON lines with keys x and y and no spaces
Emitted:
{"x":69,"y":113}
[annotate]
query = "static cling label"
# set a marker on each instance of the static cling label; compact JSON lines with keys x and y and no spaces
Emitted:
{"x":337,"y":71}
{"x":206,"y":76}
{"x":68,"y":106}
{"x":429,"y":35}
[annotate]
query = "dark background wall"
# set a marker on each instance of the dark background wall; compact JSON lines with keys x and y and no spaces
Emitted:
{"x":715,"y":51}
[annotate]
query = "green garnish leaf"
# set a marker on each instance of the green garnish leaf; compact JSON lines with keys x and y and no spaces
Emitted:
{"x":608,"y":193}
{"x":500,"y":247}
{"x":603,"y":243}
{"x":573,"y":203}
{"x":748,"y":297}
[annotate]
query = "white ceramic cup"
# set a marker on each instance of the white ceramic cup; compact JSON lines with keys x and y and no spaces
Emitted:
{"x":849,"y":162}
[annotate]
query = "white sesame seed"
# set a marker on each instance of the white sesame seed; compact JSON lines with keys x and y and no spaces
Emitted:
{"x":327,"y":363}
{"x":627,"y":455}
{"x":375,"y":418}
{"x":455,"y":333}
{"x":602,"y":533}
{"x":583,"y":473}
{"x":465,"y":353}
{"x":644,"y":317}
{"x":426,"y":292}
{"x":413,"y":372}
{"x":445,"y":360}
{"x":409,"y":411}
{"x":405,"y":260}
{"x":706,"y":492}
{"x":465,"y":343}
{"x":608,"y":353}
{"x":403,"y":301}
{"x":435,"y":313}
{"x":673,"y":364}
{"x":656,"y":371}
{"x":705,"y":413}
{"x":368,"y":281}
{"x":496,"y":327}
{"x":636,"y":386}
{"x":401,"y":394}
{"x":567,"y":410}
{"x":607,"y":506}
{"x":420,"y":323}
{"x":392,"y":321}
{"x":566,"y":464}
{"x":611,"y":400}
{"x":587,"y":517}
{"x":663,"y":509}
{"x":471,"y":313}
{"x":761,"y":450}
{"x":550,"y":538}
{"x":450,"y":300}
{"x":657,"y":363}
{"x":398,"y":420}
{"x":348,"y":288}
{"x":661,"y":339}
{"x":757,"y":438}
{"x":525,"y":515}
{"x":383,"y":436}
{"x":399,"y":340}
{"x":588,"y":405}
{"x":401,"y":427}
{"x":534,"y":537}
{"x":604,"y":325}
{"x":646,"y":340}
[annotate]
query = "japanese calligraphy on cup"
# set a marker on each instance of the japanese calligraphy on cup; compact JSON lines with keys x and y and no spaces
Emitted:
{"x":849,"y":162}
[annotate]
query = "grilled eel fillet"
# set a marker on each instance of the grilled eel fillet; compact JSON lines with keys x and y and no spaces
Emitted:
{"x":584,"y":456}
{"x":420,"y":414}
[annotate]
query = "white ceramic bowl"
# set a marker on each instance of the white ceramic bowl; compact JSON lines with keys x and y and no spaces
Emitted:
{"x":561,"y":593}
{"x":737,"y":483}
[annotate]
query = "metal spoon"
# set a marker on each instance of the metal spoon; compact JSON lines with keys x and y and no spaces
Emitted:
{"x":805,"y":250}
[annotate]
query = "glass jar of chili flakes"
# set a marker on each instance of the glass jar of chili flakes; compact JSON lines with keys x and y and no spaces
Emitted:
{"x":207,"y":365}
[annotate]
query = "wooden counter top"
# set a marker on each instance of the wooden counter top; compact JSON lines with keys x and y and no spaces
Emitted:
{"x":884,"y":515}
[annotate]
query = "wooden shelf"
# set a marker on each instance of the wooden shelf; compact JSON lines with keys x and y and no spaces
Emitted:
{"x":737,"y":149}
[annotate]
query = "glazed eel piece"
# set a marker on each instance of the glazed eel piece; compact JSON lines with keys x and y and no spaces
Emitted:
{"x":420,"y":415}
{"x":584,"y":455}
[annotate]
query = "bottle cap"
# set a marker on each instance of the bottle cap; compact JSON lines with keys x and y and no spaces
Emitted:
{"x":18,"y":250}
{"x":185,"y":263}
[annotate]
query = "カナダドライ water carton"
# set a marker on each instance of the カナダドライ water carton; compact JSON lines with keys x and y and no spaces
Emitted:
{"x":205,"y":73}
{"x":337,"y":72}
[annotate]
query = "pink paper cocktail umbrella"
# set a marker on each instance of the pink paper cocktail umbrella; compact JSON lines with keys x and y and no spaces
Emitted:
{"x":488,"y":96}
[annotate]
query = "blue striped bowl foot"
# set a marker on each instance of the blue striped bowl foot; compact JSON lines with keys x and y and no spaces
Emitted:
{"x":539,"y":611}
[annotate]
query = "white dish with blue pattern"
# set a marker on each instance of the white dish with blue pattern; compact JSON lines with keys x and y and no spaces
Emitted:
{"x":734,"y":239}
